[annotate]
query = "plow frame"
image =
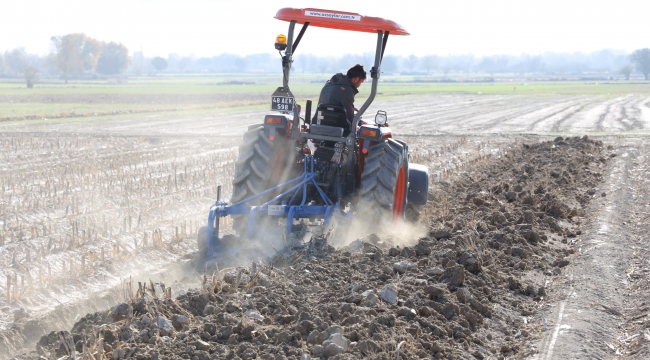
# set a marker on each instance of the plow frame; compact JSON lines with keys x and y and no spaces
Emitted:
{"x":274,"y":207}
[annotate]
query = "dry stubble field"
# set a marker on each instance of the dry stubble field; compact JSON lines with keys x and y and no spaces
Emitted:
{"x":92,"y":205}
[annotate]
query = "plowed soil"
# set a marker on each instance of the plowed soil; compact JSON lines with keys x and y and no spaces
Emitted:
{"x":470,"y":288}
{"x":530,"y":246}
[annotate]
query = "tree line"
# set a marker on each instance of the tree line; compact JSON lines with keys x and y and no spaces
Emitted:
{"x":81,"y":57}
{"x":71,"y":56}
{"x":607,"y":63}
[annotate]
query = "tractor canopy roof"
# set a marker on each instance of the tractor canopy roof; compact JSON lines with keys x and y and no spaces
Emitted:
{"x":340,"y":20}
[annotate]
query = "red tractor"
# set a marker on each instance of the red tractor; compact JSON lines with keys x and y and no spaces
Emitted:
{"x":293,"y":169}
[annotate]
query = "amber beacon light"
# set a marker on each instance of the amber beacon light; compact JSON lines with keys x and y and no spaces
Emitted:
{"x":280,"y":42}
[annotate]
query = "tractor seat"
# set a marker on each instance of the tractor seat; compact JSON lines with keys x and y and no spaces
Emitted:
{"x":330,"y":115}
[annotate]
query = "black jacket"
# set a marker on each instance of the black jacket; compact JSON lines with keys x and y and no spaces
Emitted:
{"x":339,"y":91}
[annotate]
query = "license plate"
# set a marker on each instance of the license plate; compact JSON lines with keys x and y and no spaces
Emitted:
{"x":282,"y":100}
{"x":276,"y":210}
{"x":281,"y":103}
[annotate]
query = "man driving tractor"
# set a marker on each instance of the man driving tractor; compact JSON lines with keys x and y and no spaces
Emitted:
{"x":341,"y":89}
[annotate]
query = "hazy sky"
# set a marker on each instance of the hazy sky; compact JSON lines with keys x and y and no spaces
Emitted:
{"x":212,"y":27}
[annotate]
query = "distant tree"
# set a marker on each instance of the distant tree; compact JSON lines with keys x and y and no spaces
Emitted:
{"x":172,"y":61}
{"x":261,"y":62}
{"x":241,"y":64}
{"x":90,"y":53}
{"x":501,"y":64}
{"x":302,"y":62}
{"x":114,"y":59}
{"x":323,"y":66}
{"x":222,"y":63}
{"x":462,"y":63}
{"x":204,"y":64}
{"x":344,"y":62}
{"x":411,"y":62}
{"x":31,"y":76}
{"x":73,"y":54}
{"x":15,"y":61}
{"x":626,"y":70}
{"x":641,"y":58}
{"x":159,"y":63}
{"x":2,"y":65}
{"x":487,"y":65}
{"x":184,"y":63}
{"x":18,"y":63}
{"x":389,"y":63}
{"x":428,"y":63}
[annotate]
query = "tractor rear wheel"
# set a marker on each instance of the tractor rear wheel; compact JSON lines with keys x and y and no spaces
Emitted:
{"x":382,"y":195}
{"x":261,"y":165}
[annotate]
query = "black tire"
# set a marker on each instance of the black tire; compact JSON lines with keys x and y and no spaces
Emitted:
{"x":379,"y":183}
{"x":202,"y":240}
{"x":412,"y":213}
{"x":261,"y":164}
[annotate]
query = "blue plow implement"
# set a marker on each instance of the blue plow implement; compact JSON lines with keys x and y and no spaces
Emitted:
{"x":277,"y":207}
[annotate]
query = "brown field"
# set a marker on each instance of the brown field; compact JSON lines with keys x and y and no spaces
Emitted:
{"x":92,"y":205}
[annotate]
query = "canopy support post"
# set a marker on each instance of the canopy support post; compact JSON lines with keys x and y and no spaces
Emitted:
{"x":286,"y":59}
{"x":374,"y":73}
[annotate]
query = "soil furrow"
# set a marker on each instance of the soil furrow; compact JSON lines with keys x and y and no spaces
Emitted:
{"x":588,"y":319}
{"x":601,"y":118}
{"x":470,"y":287}
{"x":555,"y":127}
{"x":636,"y":114}
{"x":534,"y":124}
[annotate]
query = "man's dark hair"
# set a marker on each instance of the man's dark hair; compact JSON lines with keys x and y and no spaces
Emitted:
{"x":357,"y":71}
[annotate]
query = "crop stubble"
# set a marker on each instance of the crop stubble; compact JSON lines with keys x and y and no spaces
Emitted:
{"x":471,"y":287}
{"x":150,"y":140}
{"x":75,"y":216}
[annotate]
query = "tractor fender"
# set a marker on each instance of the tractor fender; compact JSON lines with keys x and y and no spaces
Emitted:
{"x":418,"y":191}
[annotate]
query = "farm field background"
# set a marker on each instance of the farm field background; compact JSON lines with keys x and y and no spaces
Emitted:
{"x":106,"y":183}
{"x":219,"y":92}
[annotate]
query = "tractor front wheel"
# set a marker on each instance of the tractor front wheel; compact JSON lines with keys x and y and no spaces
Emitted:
{"x":412,"y":213}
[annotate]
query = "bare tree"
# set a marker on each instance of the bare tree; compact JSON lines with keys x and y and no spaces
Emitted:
{"x":641,"y":58}
{"x":411,"y":62}
{"x":15,"y":62}
{"x":429,"y":63}
{"x":18,"y":63}
{"x":626,"y":70}
{"x":303,"y":62}
{"x":184,"y":63}
{"x":67,"y":54}
{"x":323,"y":66}
{"x":31,"y":76}
{"x":241,"y":63}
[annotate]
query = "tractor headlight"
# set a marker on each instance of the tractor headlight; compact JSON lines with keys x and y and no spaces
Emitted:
{"x":381,"y":118}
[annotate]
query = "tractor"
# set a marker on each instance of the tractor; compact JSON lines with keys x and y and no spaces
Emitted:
{"x":293,"y":171}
